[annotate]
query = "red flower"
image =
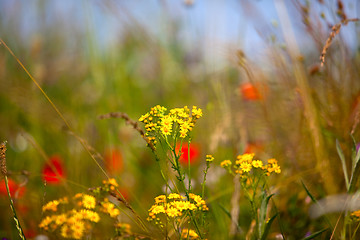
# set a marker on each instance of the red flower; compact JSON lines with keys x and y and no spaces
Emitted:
{"x":250,"y":92}
{"x":53,"y":170}
{"x":15,"y":189}
{"x":254,"y":148}
{"x":113,"y":161}
{"x":194,"y":153}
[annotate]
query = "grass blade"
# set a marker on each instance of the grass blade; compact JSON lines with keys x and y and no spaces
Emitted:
{"x":343,"y":163}
{"x":314,"y":235}
{"x":267,"y":227}
{"x":355,"y":173}
{"x":313,"y":199}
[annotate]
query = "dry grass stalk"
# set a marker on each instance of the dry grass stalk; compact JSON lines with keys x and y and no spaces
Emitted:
{"x":3,"y":158}
{"x":131,"y":122}
{"x":334,"y":31}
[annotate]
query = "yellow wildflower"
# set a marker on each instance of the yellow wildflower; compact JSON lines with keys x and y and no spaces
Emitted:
{"x":158,"y":209}
{"x":65,"y":231}
{"x":160,"y":199}
{"x":173,"y":212}
{"x":112,"y":181}
{"x":51,"y":206}
{"x":78,"y":229}
{"x":88,"y":201}
{"x":225,"y":163}
{"x":174,"y":196}
{"x":123,"y":227}
{"x":257,"y":164}
{"x":196,"y":112}
{"x":46,"y":222}
{"x":189,"y":234}
{"x":60,"y":219}
{"x":209,"y":158}
{"x":276,"y":168}
{"x":272,"y":161}
{"x":245,"y":166}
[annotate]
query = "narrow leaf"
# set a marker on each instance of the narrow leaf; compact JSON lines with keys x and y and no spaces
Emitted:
{"x":263,"y":210}
{"x":355,"y":173}
{"x":313,"y":199}
{"x":342,"y":158}
{"x":267,"y":227}
{"x":314,"y":235}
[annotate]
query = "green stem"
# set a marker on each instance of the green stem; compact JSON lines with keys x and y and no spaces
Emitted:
{"x":189,"y":169}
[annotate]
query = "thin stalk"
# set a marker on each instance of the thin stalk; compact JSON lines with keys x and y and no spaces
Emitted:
{"x":17,"y":222}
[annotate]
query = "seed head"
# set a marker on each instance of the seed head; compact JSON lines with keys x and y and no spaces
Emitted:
{"x":3,"y":158}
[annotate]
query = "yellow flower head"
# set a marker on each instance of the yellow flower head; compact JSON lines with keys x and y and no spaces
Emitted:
{"x":160,"y":199}
{"x":245,"y":167}
{"x":173,"y":212}
{"x":225,"y":163}
{"x":209,"y":158}
{"x":88,"y":201}
{"x":78,"y":229}
{"x":51,"y":206}
{"x":257,"y":164}
{"x":174,"y":196}
{"x":189,"y":234}
{"x":112,"y":181}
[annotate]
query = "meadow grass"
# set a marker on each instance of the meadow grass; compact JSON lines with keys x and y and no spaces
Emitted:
{"x":66,"y":113}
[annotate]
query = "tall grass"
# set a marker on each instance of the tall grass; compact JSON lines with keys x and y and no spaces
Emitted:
{"x":302,"y":114}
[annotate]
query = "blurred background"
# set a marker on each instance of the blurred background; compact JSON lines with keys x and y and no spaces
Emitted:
{"x":253,"y":67}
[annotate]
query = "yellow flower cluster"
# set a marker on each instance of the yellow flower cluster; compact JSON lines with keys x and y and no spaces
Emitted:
{"x":209,"y":158}
{"x":72,"y":224}
{"x":178,"y":122}
{"x":109,"y":208}
{"x":175,"y":205}
{"x":246,"y":162}
{"x":189,"y":234}
{"x":78,"y":221}
{"x":85,"y":200}
{"x":110,"y":184}
{"x":355,"y":216}
{"x":225,"y":163}
{"x":53,"y":205}
{"x":123,"y":228}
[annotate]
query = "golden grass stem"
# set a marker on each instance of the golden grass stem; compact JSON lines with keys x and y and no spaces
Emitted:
{"x":322,"y":158}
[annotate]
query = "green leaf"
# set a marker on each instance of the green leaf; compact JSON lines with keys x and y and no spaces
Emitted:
{"x":313,"y":199}
{"x":267,"y":227}
{"x":263,"y":210}
{"x":355,"y":173}
{"x":314,"y":235}
{"x":229,"y":215}
{"x":225,"y":211}
{"x":343,"y":162}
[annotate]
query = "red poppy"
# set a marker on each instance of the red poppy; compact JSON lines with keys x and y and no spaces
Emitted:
{"x":15,"y":189}
{"x":53,"y":171}
{"x":250,"y":92}
{"x":253,"y":148}
{"x":194,"y":153}
{"x":113,"y":161}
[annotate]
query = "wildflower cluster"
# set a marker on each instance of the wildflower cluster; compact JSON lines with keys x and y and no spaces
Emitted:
{"x":177,"y":123}
{"x":355,"y":216}
{"x":189,"y":234}
{"x":253,"y":175}
{"x":174,"y":206}
{"x":246,"y":162}
{"x":209,"y":158}
{"x":75,"y":219}
{"x":72,"y":223}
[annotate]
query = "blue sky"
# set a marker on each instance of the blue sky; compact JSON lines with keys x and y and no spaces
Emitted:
{"x":216,"y":26}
